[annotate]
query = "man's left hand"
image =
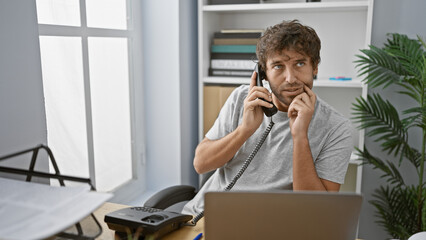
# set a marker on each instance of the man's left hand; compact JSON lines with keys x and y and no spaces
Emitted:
{"x":300,"y":112}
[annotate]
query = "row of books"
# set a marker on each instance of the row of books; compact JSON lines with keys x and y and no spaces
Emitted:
{"x":233,"y":52}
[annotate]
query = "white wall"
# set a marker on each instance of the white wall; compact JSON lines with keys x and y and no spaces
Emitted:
{"x":168,"y":74}
{"x":22,"y":113}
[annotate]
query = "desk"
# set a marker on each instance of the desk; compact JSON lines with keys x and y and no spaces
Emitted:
{"x":186,"y":232}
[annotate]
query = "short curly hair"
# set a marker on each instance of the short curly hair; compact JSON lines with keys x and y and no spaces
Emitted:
{"x":289,"y":35}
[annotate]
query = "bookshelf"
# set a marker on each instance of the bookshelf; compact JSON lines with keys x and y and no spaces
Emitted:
{"x":343,"y":26}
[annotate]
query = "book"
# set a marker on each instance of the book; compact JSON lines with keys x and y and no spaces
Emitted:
{"x":233,"y":52}
{"x":232,"y":64}
{"x":230,"y":72}
{"x":237,"y":35}
{"x":216,"y":2}
{"x":235,"y":41}
{"x":233,"y":48}
{"x":246,"y":56}
{"x":242,"y":30}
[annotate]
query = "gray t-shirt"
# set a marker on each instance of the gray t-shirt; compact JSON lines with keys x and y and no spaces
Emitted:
{"x":271,"y":169}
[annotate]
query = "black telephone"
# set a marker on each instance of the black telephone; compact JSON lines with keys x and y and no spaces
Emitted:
{"x":144,"y":221}
{"x":269,"y":112}
{"x":157,"y":222}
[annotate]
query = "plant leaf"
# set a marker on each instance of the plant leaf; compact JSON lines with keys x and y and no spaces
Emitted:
{"x":382,"y":121}
{"x":417,"y":117}
{"x":397,"y":209}
{"x":379,"y":67}
{"x":408,"y":52}
{"x":390,"y":172}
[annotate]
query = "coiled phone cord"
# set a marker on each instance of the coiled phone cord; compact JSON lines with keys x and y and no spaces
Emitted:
{"x":242,"y":169}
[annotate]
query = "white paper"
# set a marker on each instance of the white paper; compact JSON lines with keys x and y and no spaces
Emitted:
{"x":35,"y":211}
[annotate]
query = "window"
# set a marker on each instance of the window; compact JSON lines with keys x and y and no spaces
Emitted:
{"x":87,"y":66}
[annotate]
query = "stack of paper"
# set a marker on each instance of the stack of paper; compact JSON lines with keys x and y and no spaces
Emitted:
{"x":35,"y":211}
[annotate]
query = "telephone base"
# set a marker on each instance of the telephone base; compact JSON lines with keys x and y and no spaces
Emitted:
{"x":143,"y":221}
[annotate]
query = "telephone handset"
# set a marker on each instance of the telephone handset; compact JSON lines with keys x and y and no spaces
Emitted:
{"x":156,"y":222}
{"x":269,"y":112}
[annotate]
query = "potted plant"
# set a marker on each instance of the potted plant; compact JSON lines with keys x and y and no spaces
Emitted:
{"x":400,"y":206}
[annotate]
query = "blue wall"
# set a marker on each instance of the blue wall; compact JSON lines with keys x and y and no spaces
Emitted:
{"x":390,"y":16}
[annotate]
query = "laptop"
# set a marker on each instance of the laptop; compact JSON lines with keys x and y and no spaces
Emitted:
{"x":281,"y":215}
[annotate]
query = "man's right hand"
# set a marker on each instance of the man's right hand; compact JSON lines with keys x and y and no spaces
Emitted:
{"x":253,"y":113}
{"x":212,"y":154}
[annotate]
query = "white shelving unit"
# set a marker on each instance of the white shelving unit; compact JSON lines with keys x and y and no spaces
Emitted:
{"x":344,"y":28}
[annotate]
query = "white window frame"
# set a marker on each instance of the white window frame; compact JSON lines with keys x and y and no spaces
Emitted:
{"x":136,"y":186}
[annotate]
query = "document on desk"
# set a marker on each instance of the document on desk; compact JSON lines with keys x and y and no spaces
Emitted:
{"x":36,"y":211}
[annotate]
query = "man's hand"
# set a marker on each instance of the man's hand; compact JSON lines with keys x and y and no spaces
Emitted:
{"x":212,"y":154}
{"x":253,"y":114}
{"x":300,"y":112}
{"x":305,"y":176}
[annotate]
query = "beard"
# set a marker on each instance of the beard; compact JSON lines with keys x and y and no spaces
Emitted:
{"x":287,"y":92}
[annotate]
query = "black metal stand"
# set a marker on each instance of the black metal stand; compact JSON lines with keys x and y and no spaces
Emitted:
{"x":68,"y":234}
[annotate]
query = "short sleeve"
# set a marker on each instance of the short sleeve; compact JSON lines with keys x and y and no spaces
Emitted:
{"x":332,"y":162}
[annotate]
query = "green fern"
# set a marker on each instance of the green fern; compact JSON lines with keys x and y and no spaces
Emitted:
{"x":390,"y":171}
{"x":400,"y":208}
{"x":382,"y":119}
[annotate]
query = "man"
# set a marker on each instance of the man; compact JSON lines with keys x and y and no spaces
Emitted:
{"x":310,"y":144}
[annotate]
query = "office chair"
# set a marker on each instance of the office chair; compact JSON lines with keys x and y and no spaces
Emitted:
{"x":175,"y":197}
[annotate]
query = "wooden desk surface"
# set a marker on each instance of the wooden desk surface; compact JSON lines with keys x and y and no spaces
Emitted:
{"x":186,"y":232}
